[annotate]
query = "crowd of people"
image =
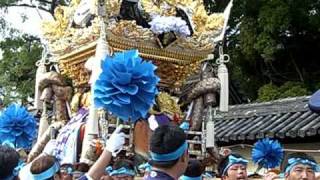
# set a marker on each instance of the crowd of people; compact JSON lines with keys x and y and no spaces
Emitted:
{"x":169,"y":160}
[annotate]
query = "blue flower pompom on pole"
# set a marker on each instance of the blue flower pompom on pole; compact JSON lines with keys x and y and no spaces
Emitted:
{"x":127,"y":85}
{"x":267,"y":153}
{"x":17,"y":126}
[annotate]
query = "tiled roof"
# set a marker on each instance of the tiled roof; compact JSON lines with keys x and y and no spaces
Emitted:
{"x":279,"y":119}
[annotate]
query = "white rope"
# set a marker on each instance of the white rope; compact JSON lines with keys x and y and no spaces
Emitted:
{"x":223,"y":58}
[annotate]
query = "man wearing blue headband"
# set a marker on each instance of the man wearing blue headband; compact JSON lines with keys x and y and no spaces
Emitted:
{"x":300,"y":166}
{"x":168,"y":153}
{"x":121,"y":170}
{"x":233,"y":167}
{"x":44,"y":167}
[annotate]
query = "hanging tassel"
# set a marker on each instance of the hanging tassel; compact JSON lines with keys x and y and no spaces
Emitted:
{"x":222,"y":68}
{"x":40,"y":71}
{"x":224,"y":80}
{"x":210,"y":139}
{"x":224,"y":89}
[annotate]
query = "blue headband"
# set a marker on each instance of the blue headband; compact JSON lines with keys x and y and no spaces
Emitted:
{"x":122,"y":171}
{"x":145,"y":166}
{"x":170,"y":156}
{"x":68,"y":170}
{"x":9,"y":144}
{"x":48,"y":173}
{"x":294,"y":161}
{"x":190,"y":178}
{"x":16,"y":170}
{"x":108,"y":169}
{"x":234,"y":160}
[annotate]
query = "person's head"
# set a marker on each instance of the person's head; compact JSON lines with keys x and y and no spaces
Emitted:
{"x":44,"y":167}
{"x":66,"y":171}
{"x":9,"y":159}
{"x":233,"y":167}
{"x":79,"y":170}
{"x":169,"y":149}
{"x":194,"y":171}
{"x":122,"y":170}
{"x":300,"y":166}
{"x":73,"y":171}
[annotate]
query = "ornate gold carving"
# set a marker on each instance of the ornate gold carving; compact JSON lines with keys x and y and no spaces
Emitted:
{"x":168,"y":104}
{"x":175,"y":63}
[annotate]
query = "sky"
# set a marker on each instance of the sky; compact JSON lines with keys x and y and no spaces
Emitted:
{"x":32,"y":25}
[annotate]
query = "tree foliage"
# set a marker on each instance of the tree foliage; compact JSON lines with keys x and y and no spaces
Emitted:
{"x":271,"y":92}
{"x":19,"y":52}
{"x":17,"y":67}
{"x":274,"y":42}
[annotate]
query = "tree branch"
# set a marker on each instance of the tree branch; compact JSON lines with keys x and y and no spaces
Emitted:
{"x":44,"y":1}
{"x":26,"y":5}
{"x":296,"y":67}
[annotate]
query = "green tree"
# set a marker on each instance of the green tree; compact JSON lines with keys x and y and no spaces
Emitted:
{"x":17,"y":67}
{"x":19,"y":52}
{"x":271,"y":92}
{"x":274,"y":42}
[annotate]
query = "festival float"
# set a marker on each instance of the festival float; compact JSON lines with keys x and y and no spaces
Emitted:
{"x":137,"y":63}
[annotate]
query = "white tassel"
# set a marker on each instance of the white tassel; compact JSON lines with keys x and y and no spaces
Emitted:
{"x":210,"y":139}
{"x":224,"y":87}
{"x":40,"y":71}
{"x":224,"y":80}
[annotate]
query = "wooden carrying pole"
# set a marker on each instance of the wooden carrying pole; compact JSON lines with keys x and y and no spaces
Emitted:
{"x":102,"y":50}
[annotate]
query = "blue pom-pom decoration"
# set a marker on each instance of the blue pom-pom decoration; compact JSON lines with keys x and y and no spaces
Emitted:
{"x":267,"y":153}
{"x":314,"y":102}
{"x":17,"y":126}
{"x":127,"y":85}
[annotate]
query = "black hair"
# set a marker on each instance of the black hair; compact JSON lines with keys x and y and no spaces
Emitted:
{"x":297,"y":155}
{"x":82,"y":167}
{"x":123,"y":163}
{"x":166,"y":139}
{"x":194,"y":169}
{"x":223,"y":163}
{"x":9,"y":159}
{"x":67,"y":168}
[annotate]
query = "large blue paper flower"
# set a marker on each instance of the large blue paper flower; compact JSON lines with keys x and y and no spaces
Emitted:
{"x":127,"y":85}
{"x":267,"y":153}
{"x":17,"y":126}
